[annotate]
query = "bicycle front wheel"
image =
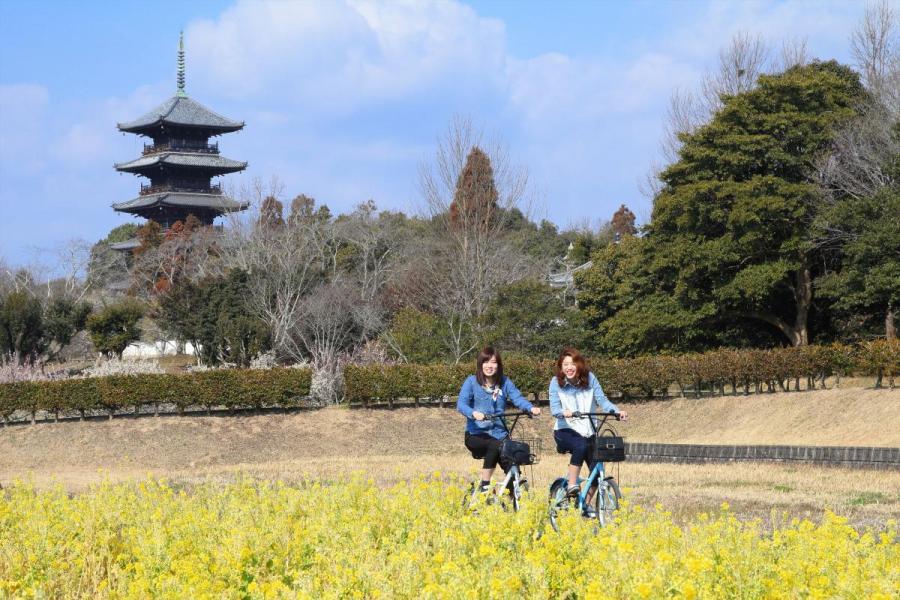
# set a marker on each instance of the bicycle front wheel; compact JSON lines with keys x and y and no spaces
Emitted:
{"x":606,"y":500}
{"x":516,"y":491}
{"x":560,"y":502}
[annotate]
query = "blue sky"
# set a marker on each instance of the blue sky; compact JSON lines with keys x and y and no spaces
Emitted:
{"x":344,"y":100}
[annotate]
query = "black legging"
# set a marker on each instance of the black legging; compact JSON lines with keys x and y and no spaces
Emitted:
{"x":482,"y":445}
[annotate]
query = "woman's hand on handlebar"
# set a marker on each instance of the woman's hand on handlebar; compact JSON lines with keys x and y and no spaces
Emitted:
{"x":568,"y":414}
{"x":478,"y":415}
{"x":536,"y":411}
{"x":623,"y":416}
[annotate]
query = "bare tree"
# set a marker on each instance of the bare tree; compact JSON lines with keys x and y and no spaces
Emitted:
{"x":284,"y":263}
{"x":192,"y":255}
{"x":863,"y":154}
{"x":875,"y":47}
{"x":860,"y":164}
{"x":73,"y":261}
{"x":332,"y":322}
{"x":794,"y":53}
{"x":470,"y":189}
{"x":740,"y":64}
{"x":377,"y":246}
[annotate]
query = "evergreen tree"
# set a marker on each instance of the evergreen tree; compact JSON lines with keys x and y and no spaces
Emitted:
{"x":730,"y":235}
{"x":622,"y":222}
{"x":21,"y":325}
{"x":114,"y":327}
{"x":475,"y":201}
{"x":529,"y":317}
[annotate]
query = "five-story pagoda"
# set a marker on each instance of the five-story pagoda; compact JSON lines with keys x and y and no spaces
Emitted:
{"x":180,"y":162}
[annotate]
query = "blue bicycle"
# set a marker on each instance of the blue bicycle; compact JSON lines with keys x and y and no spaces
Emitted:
{"x":604,"y":501}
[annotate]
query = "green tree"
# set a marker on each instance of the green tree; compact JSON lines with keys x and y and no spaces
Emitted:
{"x":729,"y":237}
{"x":213,"y":316}
{"x":415,"y":336}
{"x":115,"y":326}
{"x":226,"y":332}
{"x":529,"y":317}
{"x":122,"y":233}
{"x":623,"y":304}
{"x":64,"y":318}
{"x":21,"y":325}
{"x":865,"y":292}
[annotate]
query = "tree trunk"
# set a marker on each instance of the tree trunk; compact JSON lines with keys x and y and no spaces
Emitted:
{"x":798,"y":334}
{"x":803,"y":297}
{"x":890,"y":330}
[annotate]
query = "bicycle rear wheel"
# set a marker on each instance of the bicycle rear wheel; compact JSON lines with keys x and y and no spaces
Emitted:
{"x":606,"y":501}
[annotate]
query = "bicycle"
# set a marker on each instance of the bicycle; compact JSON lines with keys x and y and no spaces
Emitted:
{"x":607,"y":496}
{"x":515,"y":453}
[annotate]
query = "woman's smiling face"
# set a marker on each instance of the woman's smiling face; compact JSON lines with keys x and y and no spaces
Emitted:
{"x":569,"y":368}
{"x":489,"y":367}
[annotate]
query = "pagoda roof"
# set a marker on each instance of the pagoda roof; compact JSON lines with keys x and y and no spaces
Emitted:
{"x":129,"y":244}
{"x":182,"y":159}
{"x":183,"y":111}
{"x":215,"y":202}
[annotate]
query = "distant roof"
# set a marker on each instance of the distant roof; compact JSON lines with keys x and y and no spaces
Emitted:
{"x":183,"y":159}
{"x":181,"y":110}
{"x":216,"y":202}
{"x":565,"y":278}
{"x":126,"y":245}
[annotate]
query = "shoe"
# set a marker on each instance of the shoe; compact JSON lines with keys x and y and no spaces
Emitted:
{"x":588,"y":512}
{"x":573,"y":491}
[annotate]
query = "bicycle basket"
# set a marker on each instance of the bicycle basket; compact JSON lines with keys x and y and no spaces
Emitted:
{"x":609,"y":447}
{"x":524,"y":451}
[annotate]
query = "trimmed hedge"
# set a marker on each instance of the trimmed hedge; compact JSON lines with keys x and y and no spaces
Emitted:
{"x":716,"y":372}
{"x":231,"y":388}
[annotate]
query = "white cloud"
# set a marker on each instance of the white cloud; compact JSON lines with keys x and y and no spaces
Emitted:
{"x":337,"y":56}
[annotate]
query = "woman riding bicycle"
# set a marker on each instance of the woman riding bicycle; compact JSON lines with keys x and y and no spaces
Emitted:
{"x":575,"y":389}
{"x":486,"y":393}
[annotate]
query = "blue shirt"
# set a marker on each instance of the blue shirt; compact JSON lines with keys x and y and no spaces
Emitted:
{"x":576,"y":399}
{"x":473,"y":397}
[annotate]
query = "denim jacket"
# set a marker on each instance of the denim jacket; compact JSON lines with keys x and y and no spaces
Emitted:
{"x":473,"y":397}
{"x":586,"y":399}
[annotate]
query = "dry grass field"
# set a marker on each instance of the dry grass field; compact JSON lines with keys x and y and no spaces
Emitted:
{"x":396,"y":444}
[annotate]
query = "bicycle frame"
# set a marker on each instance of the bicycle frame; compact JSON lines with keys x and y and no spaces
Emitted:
{"x":514,"y":475}
{"x":598,"y":473}
{"x":559,"y":499}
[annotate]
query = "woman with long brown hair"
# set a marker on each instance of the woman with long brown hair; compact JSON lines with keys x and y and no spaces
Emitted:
{"x":575,"y":389}
{"x":486,"y":393}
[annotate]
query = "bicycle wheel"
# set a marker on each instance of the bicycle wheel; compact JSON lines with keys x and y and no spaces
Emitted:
{"x":470,"y":498}
{"x":560,"y":502}
{"x":606,"y":501}
{"x":517,"y":497}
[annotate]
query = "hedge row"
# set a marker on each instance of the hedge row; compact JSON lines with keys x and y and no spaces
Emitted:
{"x":718,"y":372}
{"x":737,"y":371}
{"x":229,"y":388}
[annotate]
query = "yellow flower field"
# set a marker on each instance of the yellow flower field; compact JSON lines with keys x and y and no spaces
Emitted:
{"x":354,"y":539}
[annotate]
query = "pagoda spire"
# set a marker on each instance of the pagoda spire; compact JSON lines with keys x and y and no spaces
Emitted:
{"x":181,"y":91}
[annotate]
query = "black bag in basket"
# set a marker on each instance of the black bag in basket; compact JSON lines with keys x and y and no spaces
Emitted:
{"x":518,"y":453}
{"x":608,"y":447}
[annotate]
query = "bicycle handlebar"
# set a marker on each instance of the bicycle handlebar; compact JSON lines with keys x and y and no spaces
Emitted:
{"x":581,"y":415}
{"x":509,"y":414}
